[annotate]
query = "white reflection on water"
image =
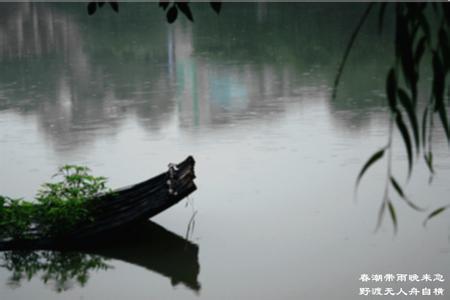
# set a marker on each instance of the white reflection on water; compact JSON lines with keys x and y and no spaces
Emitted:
{"x":276,"y":159}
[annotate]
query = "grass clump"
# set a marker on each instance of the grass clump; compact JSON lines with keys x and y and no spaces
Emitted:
{"x":57,"y":208}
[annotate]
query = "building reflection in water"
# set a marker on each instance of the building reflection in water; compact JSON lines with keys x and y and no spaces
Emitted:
{"x":82,"y":76}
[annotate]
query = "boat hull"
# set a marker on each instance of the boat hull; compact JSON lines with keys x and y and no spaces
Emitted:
{"x":122,"y":208}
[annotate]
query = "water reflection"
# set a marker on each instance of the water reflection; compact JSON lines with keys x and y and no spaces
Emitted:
{"x":82,"y":77}
{"x":61,"y":270}
{"x":149,"y":246}
{"x":248,"y":94}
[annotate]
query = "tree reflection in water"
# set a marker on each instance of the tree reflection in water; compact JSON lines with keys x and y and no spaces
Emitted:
{"x":147,"y":245}
{"x":63,"y":269}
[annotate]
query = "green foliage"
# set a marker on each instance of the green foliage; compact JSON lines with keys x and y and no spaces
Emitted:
{"x":58,"y":206}
{"x":402,"y":195}
{"x":420,"y":28}
{"x":376,"y":156}
{"x":415,"y":35}
{"x":16,"y":217}
{"x":62,"y":204}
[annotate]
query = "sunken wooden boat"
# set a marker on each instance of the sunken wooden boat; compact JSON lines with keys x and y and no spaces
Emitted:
{"x":123,"y":208}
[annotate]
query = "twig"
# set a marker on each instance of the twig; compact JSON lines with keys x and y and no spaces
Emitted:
{"x":349,"y":47}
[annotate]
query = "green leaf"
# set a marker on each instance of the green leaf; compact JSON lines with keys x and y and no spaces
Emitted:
{"x":405,"y":135}
{"x":434,"y":214}
{"x":438,"y":92}
{"x":429,"y":161}
{"x":397,"y":187}
{"x":164,"y":4}
{"x":391,"y":88}
{"x":438,"y":81}
{"x":444,"y":46}
{"x":393,"y":215}
{"x":420,"y":49}
{"x":381,"y":214}
{"x":376,"y":156}
{"x":443,"y":116}
{"x":404,"y":47}
{"x":186,"y":10}
{"x":91,"y":8}
{"x":409,"y":108}
{"x":446,"y":10}
{"x":172,"y":14}
{"x":216,"y":6}
{"x":424,"y":127}
{"x":114,"y":5}
{"x":399,"y":190}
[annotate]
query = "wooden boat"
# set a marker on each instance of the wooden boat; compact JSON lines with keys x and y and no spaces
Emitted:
{"x":122,"y":208}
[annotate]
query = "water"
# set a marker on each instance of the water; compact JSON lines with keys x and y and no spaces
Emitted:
{"x":248,"y":95}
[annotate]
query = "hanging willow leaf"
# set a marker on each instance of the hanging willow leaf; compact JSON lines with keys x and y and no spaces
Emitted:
{"x":114,"y":5}
{"x":381,"y":214}
{"x":397,"y":187}
{"x":349,"y":46}
{"x":438,"y":81}
{"x":420,"y":49}
{"x":444,"y":46}
{"x":424,"y":127}
{"x":376,"y":156}
{"x":404,"y":46}
{"x":163,"y":4}
{"x":399,"y":190}
{"x":438,"y":92}
{"x":393,"y":214}
{"x":391,"y":88}
{"x":410,"y":111}
{"x":429,"y":161}
{"x":405,"y":135}
{"x":397,"y":31}
{"x":186,"y":10}
{"x":216,"y":6}
{"x":446,"y":10}
{"x":91,"y":8}
{"x":172,"y":14}
{"x":435,"y":213}
{"x":444,"y":121}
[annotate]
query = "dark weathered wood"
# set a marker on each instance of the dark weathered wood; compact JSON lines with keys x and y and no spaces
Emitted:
{"x":123,"y":207}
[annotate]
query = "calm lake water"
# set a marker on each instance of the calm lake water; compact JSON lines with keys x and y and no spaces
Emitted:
{"x":248,"y":94}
